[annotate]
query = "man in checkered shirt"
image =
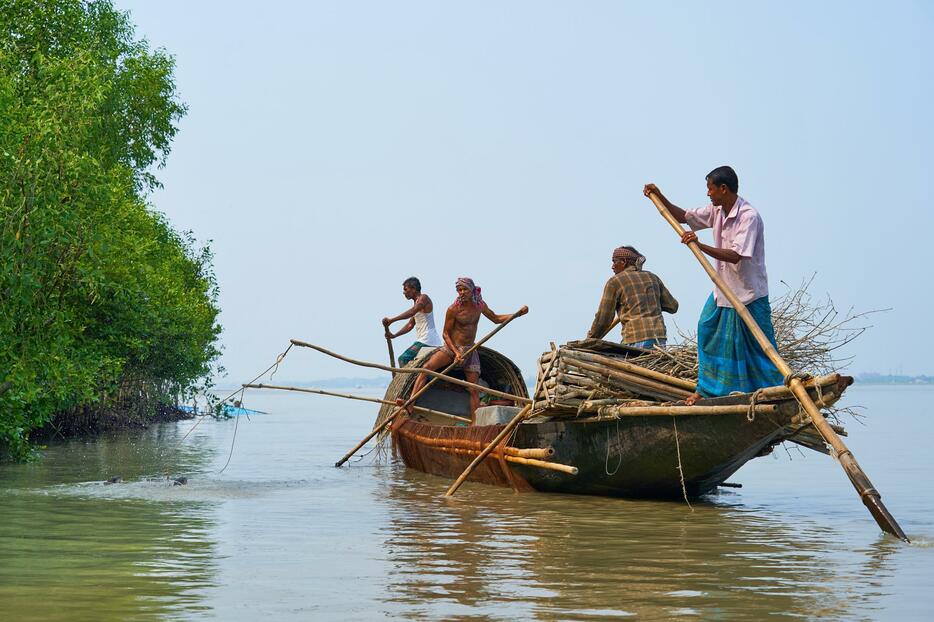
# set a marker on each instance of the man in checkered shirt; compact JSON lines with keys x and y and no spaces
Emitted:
{"x":638,"y":297}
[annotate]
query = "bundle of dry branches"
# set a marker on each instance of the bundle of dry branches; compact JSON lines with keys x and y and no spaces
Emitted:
{"x":809,"y":334}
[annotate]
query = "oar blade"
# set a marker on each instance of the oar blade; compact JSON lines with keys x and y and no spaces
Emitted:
{"x":886,"y":521}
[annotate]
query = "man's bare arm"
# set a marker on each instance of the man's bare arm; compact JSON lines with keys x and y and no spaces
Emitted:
{"x":676,"y":211}
{"x":420,"y":303}
{"x":499,"y":319}
{"x":723,"y":254}
{"x":446,"y":333}
{"x":408,"y":327}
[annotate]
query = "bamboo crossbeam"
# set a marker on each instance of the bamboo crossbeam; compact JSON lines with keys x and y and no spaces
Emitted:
{"x":541,"y":464}
{"x":529,"y":452}
{"x":506,"y":431}
{"x":552,"y":466}
{"x":418,"y":409}
{"x":782,"y":392}
{"x":476,"y":446}
{"x":409,"y":402}
{"x":676,"y":411}
{"x":864,"y":487}
{"x":418,"y":370}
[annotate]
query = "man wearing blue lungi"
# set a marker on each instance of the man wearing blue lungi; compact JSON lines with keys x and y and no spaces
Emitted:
{"x":728,"y":356}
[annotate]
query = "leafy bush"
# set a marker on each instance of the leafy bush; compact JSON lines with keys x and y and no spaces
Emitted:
{"x":100,"y":297}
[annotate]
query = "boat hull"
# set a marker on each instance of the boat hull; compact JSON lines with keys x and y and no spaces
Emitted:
{"x":624,"y":457}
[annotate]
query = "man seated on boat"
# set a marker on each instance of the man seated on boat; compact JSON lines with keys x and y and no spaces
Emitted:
{"x":459,"y":334}
{"x":638,"y":298}
{"x":420,"y":317}
{"x":728,"y":356}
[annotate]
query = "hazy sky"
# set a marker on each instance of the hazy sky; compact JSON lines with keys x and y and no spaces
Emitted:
{"x":333,"y":149}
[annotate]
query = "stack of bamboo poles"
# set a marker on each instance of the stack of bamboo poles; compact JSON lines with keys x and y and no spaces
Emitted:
{"x":577,"y":379}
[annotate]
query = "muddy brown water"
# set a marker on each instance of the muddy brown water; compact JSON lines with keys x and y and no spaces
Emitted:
{"x":281,"y":534}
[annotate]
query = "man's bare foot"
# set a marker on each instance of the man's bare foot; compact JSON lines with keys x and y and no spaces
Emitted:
{"x":692,"y":399}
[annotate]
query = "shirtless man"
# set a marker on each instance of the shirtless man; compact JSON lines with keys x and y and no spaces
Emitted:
{"x":420,"y":317}
{"x":460,"y":332}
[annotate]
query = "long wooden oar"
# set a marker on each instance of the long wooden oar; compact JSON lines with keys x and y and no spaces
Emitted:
{"x":520,"y":416}
{"x":414,"y":397}
{"x":418,"y":409}
{"x":870,"y":496}
{"x":392,"y":355}
{"x":489,"y":448}
{"x":417,"y":370}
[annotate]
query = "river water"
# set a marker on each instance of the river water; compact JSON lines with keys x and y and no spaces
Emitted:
{"x":281,"y":534}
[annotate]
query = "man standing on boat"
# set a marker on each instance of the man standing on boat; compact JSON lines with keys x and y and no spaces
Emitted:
{"x":638,"y":297}
{"x":420,"y":317}
{"x":460,"y":332}
{"x":728,"y":356}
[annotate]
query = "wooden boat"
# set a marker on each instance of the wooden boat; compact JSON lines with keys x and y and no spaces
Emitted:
{"x":631,"y":445}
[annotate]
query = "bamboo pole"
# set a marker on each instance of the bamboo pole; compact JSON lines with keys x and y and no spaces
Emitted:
{"x":376,"y":430}
{"x":529,"y":452}
{"x":476,"y":446}
{"x":867,"y":492}
{"x":392,"y":355}
{"x":418,"y":409}
{"x":507,"y":429}
{"x":541,"y":464}
{"x":420,"y":370}
{"x":629,"y":367}
{"x":782,"y":392}
{"x":637,"y":383}
{"x":650,"y":411}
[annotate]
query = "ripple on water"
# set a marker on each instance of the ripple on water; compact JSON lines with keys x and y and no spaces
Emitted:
{"x":200,"y":489}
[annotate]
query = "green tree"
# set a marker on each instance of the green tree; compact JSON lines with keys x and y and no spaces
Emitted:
{"x":104,"y":305}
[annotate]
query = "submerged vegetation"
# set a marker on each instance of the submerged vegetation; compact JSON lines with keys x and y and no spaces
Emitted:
{"x":105,"y":308}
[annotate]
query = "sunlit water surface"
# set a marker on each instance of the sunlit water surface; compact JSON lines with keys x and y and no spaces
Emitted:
{"x":281,"y":534}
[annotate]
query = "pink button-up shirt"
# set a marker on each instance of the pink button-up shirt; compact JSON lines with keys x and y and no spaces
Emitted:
{"x":741,"y":230}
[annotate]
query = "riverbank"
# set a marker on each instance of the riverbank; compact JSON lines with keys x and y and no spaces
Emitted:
{"x":89,"y":422}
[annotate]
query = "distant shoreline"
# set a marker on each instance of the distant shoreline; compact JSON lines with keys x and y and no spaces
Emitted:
{"x":874,"y":378}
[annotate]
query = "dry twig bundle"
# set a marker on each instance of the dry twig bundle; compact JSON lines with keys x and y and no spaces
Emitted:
{"x":809,"y":334}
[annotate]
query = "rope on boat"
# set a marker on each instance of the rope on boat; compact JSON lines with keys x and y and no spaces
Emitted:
{"x":274,"y":367}
{"x":802,"y":376}
{"x":580,"y":407}
{"x":240,"y":390}
{"x":684,"y":490}
{"x":234,"y":439}
{"x":606,"y":462}
{"x":753,"y":401}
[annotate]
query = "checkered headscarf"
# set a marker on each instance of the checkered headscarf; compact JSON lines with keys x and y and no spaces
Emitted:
{"x":631,"y":256}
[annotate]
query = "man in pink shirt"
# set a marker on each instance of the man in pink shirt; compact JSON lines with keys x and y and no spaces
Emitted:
{"x":728,"y":356}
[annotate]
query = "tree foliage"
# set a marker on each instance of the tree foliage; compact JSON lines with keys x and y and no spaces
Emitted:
{"x":100,"y":297}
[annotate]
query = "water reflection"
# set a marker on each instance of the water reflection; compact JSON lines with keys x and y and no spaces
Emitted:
{"x":284,"y":535}
{"x":72,"y":548}
{"x":491,"y":552}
